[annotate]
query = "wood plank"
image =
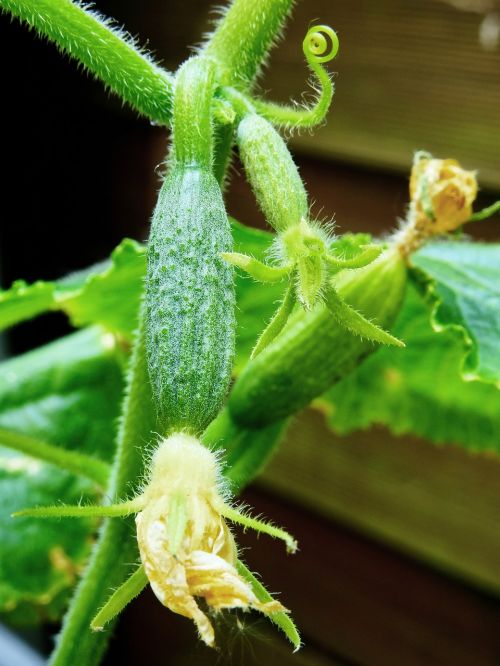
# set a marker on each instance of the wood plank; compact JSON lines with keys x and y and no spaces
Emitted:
{"x":368,"y":604}
{"x":411,"y":75}
{"x":355,"y":601}
{"x":442,"y":505}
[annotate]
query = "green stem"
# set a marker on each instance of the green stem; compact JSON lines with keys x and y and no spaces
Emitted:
{"x":192,"y":119}
{"x":117,"y":545}
{"x":308,"y":116}
{"x":106,"y":51}
{"x":82,"y":511}
{"x":223,"y":142}
{"x":244,"y":36}
{"x":72,"y":461}
{"x":485,"y":213}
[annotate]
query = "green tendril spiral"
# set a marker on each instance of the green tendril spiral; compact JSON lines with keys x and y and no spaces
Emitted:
{"x":320,"y":45}
{"x":315,"y":44}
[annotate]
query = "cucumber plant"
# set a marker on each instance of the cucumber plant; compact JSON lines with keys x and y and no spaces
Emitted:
{"x":186,"y":443}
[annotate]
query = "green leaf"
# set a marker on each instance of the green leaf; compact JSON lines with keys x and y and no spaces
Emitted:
{"x":23,"y":301}
{"x":107,"y":294}
{"x":111,"y":297}
{"x":67,"y":393}
{"x":463,"y":283}
{"x":418,"y":389}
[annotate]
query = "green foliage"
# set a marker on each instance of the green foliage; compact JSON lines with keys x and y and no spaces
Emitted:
{"x":464,"y":287}
{"x":23,"y":301}
{"x":68,"y":377}
{"x":107,"y":294}
{"x":418,"y":389}
{"x":313,"y":352}
{"x":61,"y":403}
{"x":49,"y":394}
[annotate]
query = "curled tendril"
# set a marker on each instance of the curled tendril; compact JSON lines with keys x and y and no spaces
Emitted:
{"x":320,"y":45}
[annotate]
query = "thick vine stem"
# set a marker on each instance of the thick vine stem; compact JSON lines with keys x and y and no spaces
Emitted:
{"x":243,"y":37}
{"x":107,"y":52}
{"x":192,"y":119}
{"x":320,"y":45}
{"x":116,"y":547}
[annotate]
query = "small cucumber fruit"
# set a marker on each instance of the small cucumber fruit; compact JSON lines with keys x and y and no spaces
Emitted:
{"x":272,"y":173}
{"x":313,"y":352}
{"x":189,"y":301}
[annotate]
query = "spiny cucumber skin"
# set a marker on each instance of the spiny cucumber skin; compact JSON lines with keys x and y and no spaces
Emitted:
{"x":314,"y":352}
{"x":189,"y":301}
{"x":272,"y":173}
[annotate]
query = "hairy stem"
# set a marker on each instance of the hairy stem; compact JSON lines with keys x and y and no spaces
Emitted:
{"x":116,"y":547}
{"x":106,"y":51}
{"x":192,"y":119}
{"x":72,"y":461}
{"x":244,"y":36}
{"x":485,"y":213}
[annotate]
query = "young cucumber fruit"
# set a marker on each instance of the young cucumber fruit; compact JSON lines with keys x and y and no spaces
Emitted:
{"x":313,"y":351}
{"x":272,"y":173}
{"x":189,"y":301}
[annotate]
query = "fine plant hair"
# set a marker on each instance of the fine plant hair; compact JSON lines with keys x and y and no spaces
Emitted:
{"x":202,"y":412}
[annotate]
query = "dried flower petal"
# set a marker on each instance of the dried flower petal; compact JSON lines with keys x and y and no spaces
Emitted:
{"x":441,"y":198}
{"x":445,"y":188}
{"x":185,"y":497}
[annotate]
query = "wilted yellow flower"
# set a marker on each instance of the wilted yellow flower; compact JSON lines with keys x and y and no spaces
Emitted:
{"x":186,"y":547}
{"x":442,"y":191}
{"x":441,"y":198}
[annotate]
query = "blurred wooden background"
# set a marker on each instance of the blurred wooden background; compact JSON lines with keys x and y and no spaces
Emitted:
{"x":400,"y":545}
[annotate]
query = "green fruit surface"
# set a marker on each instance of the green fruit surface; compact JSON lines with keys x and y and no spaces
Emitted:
{"x":189,"y":301}
{"x":272,"y":173}
{"x":313,"y":351}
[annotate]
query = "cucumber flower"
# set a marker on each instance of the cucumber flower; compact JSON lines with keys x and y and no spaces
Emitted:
{"x":186,"y":548}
